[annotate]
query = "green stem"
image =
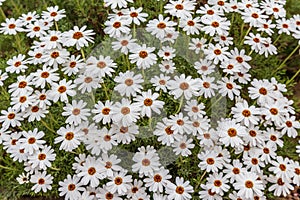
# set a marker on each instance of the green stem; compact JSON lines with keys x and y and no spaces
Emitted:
{"x":53,"y":168}
{"x":82,"y":53}
{"x":8,"y":168}
{"x":2,"y":13}
{"x":282,"y":64}
{"x":231,"y":21}
{"x":18,"y":42}
{"x":199,"y":182}
{"x":249,"y":29}
{"x":180,"y":104}
{"x":161,"y":6}
{"x":56,"y":25}
{"x":105,"y":90}
{"x":250,"y":52}
{"x":134,"y":31}
{"x":150,"y":123}
{"x":52,"y":119}
{"x":276,"y":39}
{"x":297,"y":73}
{"x":16,"y":8}
{"x":46,"y":125}
{"x":214,"y":103}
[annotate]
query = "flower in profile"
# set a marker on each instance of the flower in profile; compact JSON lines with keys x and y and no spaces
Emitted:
{"x":117,"y":3}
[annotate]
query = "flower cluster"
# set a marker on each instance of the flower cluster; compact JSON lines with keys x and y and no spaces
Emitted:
{"x":238,"y":155}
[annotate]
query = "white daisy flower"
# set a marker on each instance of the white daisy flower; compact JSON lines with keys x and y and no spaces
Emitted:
{"x":117,"y":3}
{"x":128,"y":83}
{"x":70,"y":187}
{"x":216,"y":26}
{"x":180,"y":9}
{"x":73,"y":65}
{"x":110,"y":163}
{"x":247,"y":184}
{"x":79,"y":37}
{"x":216,"y":53}
{"x":117,"y":26}
{"x":146,"y":161}
{"x":191,"y":26}
{"x":167,"y":52}
{"x":160,"y":82}
{"x":183,"y":145}
{"x":227,"y":87}
{"x":148,"y":103}
{"x":62,"y":90}
{"x":125,"y":134}
{"x":218,"y":183}
{"x":16,"y":64}
{"x":35,"y":112}
{"x":124,"y":43}
{"x":55,"y":57}
{"x":135,"y":15}
{"x":76,"y":112}
{"x":160,"y":27}
{"x":53,"y":13}
{"x":245,"y":114}
{"x":88,"y":82}
{"x":3,"y":77}
{"x":158,"y":181}
{"x":181,"y":190}
{"x":42,"y":158}
{"x":69,"y":137}
{"x":119,"y":182}
{"x":45,"y":75}
{"x":42,"y":181}
{"x":167,"y":66}
{"x":210,"y":161}
{"x":197,"y":44}
{"x":91,"y":172}
{"x":208,"y":86}
{"x":52,"y":40}
{"x":10,"y":117}
{"x":23,"y":178}
{"x":143,"y":56}
{"x":231,"y":133}
{"x":183,"y":86}
{"x":281,"y":187}
{"x":32,"y":141}
{"x":11,"y":26}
